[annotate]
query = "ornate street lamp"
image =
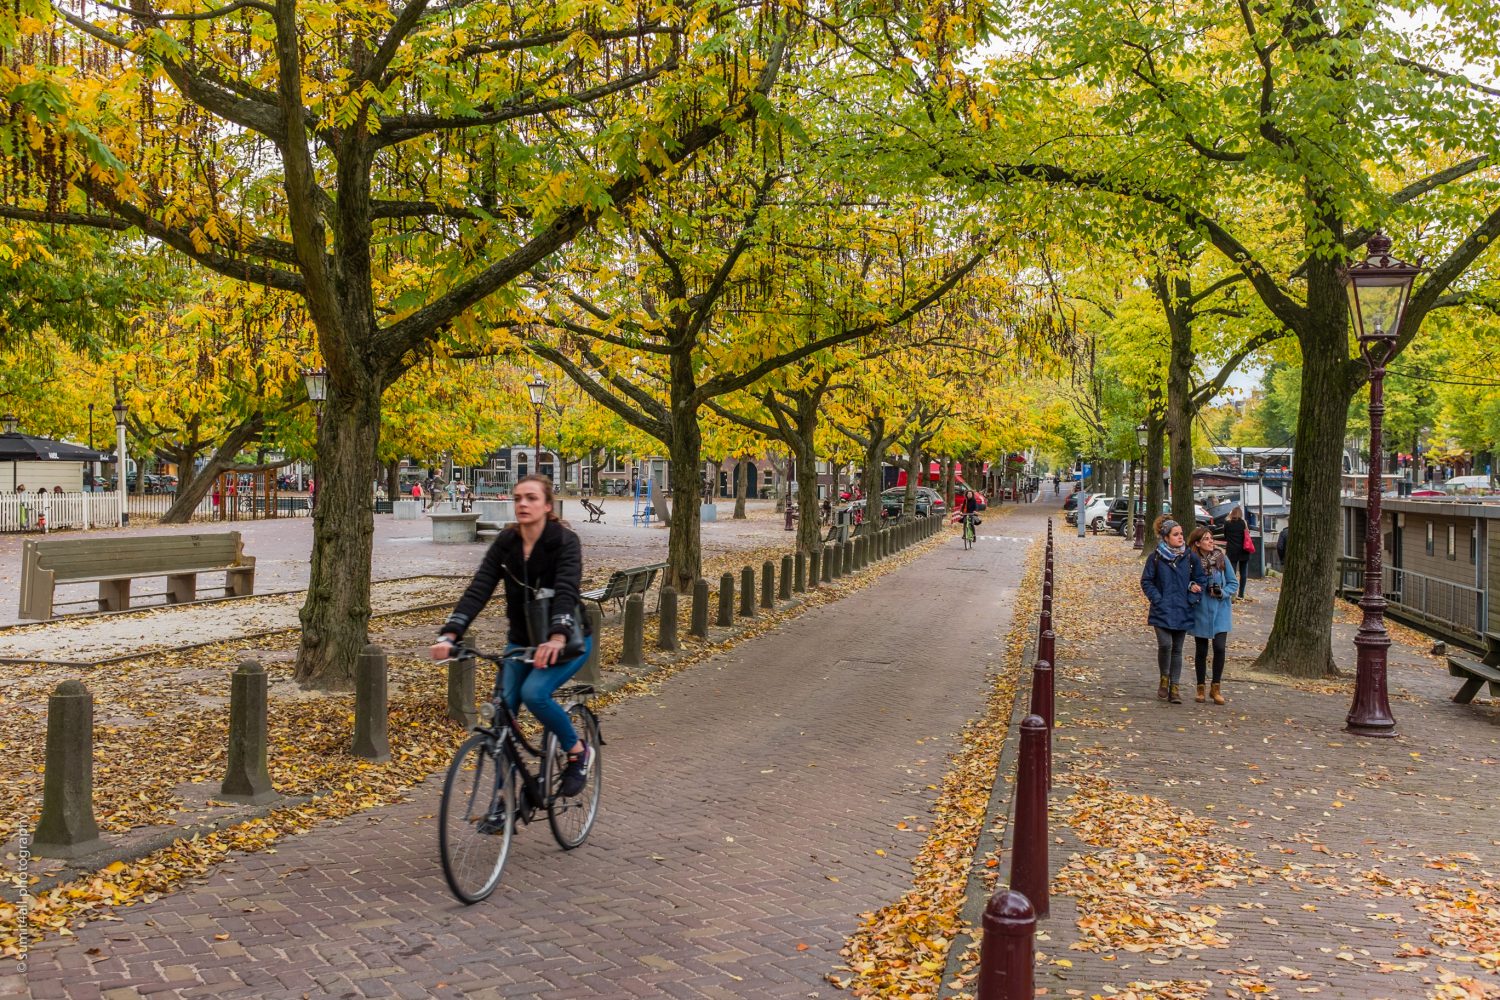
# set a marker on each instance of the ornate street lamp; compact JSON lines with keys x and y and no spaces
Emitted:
{"x":316,"y":382}
{"x":1378,"y":288}
{"x":120,"y":464}
{"x":537,"y":390}
{"x":9,"y":423}
{"x":1142,"y":437}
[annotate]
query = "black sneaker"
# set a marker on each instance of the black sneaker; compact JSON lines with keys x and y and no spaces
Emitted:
{"x":576,"y":774}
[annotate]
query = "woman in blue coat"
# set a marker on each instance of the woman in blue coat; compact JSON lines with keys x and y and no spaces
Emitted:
{"x":1214,"y":574}
{"x":1167,"y":581}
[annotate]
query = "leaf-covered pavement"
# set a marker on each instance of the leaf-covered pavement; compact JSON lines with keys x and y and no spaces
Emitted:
{"x":1255,"y":849}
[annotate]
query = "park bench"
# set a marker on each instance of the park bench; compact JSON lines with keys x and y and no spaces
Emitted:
{"x":596,"y":511}
{"x":622,"y":583}
{"x":1476,"y":673}
{"x":113,"y":563}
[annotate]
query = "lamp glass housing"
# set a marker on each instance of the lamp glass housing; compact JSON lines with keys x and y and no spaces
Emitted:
{"x":1141,"y":432}
{"x":119,"y":411}
{"x":9,"y":423}
{"x":1378,"y":288}
{"x":537,"y":390}
{"x":316,"y":381}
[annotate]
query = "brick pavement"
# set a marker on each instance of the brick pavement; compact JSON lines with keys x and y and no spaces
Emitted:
{"x":744,"y":803}
{"x":1330,"y":843}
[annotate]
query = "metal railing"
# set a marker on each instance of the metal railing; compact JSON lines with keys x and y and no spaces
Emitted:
{"x":1456,"y":607}
{"x":50,"y":511}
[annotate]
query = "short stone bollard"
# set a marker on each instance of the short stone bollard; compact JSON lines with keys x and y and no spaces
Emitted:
{"x":699,"y":628}
{"x":590,"y":673}
{"x":1007,"y":956}
{"x":632,"y":651}
{"x":247,"y":779}
{"x":726,"y":600}
{"x":784,"y":591}
{"x":799,"y":572}
{"x":371,"y":719}
{"x":817,"y":569}
{"x":461,"y":708}
{"x":666,"y":619}
{"x":831,"y":562}
{"x":1029,"y":873}
{"x":67,"y":828}
{"x":767,"y":585}
{"x":747,"y":593}
{"x":846,"y":561}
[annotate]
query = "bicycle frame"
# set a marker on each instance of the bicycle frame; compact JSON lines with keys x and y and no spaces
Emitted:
{"x":505,"y":730}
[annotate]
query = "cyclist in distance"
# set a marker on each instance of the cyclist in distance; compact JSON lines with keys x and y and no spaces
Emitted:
{"x":971,"y":503}
{"x":538,"y":552}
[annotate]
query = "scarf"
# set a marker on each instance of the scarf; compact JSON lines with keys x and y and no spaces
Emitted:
{"x":1214,"y":561}
{"x":1168,"y":552}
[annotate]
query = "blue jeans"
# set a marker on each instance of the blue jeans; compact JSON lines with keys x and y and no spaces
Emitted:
{"x":522,"y":683}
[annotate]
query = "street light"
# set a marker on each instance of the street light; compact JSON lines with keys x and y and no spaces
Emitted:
{"x":119,"y":411}
{"x":1378,"y":288}
{"x":10,"y":422}
{"x":1142,"y":437}
{"x":537,"y":390}
{"x":316,"y":382}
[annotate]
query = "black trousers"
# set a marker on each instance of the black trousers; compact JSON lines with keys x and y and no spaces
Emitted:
{"x":1200,"y":656}
{"x":1241,"y":568}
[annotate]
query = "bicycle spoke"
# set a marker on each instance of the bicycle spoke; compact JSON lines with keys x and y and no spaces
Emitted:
{"x":477,"y":820}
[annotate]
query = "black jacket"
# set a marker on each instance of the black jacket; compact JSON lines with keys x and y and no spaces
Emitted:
{"x":1235,"y":530}
{"x":556,"y":563}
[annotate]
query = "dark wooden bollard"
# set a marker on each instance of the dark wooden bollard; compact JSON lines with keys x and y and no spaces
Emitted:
{"x":370,"y":716}
{"x":817,"y":569}
{"x":67,"y":828}
{"x":747,"y":592}
{"x":699,"y":629}
{"x":784,"y":591}
{"x":1047,"y":647}
{"x":726,"y":600}
{"x":1041,"y":706}
{"x":590,"y":673}
{"x":247,"y":778}
{"x":632,"y":650}
{"x":1007,"y":958}
{"x":1028,"y":853}
{"x":767,"y":585}
{"x":799,"y":572}
{"x":831,"y":559}
{"x":666,"y":619}
{"x":847,"y":561}
{"x":461,"y":708}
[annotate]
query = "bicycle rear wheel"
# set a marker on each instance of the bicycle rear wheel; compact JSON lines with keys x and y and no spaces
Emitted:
{"x":477,"y":819}
{"x":573,"y":817}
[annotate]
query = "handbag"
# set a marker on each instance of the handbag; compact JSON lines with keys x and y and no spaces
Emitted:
{"x":539,"y":617}
{"x":1249,"y":544}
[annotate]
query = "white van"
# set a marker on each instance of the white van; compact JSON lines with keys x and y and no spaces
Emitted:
{"x":1467,"y":485}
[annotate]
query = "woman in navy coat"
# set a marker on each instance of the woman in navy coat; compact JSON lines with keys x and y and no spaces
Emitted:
{"x":1167,"y":581}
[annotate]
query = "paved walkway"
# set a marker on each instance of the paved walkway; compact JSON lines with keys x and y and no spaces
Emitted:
{"x":751,"y":812}
{"x":1256,"y":849}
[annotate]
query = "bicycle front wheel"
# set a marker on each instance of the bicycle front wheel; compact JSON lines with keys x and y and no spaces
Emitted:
{"x":573,"y":817}
{"x":477,"y":819}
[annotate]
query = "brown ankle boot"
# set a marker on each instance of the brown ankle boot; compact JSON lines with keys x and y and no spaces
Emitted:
{"x":1161,"y":692}
{"x":1174,"y":695}
{"x":1217,"y":695}
{"x":1202,"y":693}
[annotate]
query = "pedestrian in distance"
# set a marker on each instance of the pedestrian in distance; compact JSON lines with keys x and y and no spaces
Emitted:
{"x":1211,"y":615}
{"x":1281,"y":546}
{"x":1167,"y":582}
{"x":1238,"y":546}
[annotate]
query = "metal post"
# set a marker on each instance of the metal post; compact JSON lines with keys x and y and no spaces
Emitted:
{"x":1370,"y":714}
{"x":1007,"y":957}
{"x":1028,"y":859}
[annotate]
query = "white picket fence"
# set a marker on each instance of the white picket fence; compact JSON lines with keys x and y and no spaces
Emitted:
{"x":51,"y":511}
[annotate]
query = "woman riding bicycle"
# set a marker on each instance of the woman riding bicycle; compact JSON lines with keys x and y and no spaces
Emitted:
{"x":538,"y":553}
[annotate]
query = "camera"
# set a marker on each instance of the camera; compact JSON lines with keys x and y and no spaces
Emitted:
{"x":1214,"y":590}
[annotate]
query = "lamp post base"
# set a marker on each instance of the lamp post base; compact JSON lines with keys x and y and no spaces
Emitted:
{"x":1370,"y":715}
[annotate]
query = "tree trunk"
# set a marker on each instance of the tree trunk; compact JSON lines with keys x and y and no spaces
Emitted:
{"x":741,"y":486}
{"x":684,"y":547}
{"x":1300,"y":643}
{"x":874,"y":458}
{"x":191,"y":491}
{"x":913,"y":464}
{"x":946,"y":471}
{"x":393,"y":479}
{"x":1154,"y":442}
{"x":336,"y":613}
{"x":1179,"y":417}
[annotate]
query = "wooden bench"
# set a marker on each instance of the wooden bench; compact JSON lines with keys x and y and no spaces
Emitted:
{"x":114,"y":562}
{"x":1475,"y":675}
{"x":596,"y":511}
{"x":624,"y":582}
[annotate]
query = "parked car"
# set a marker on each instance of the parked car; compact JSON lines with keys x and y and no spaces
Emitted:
{"x":1094,"y":514}
{"x":961,"y":491}
{"x":1072,"y":502}
{"x":927,"y":501}
{"x":1115,"y":519}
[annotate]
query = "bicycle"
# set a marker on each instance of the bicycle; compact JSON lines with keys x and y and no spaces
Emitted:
{"x":970,"y":536}
{"x":489,"y":787}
